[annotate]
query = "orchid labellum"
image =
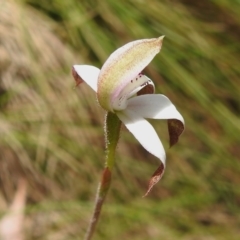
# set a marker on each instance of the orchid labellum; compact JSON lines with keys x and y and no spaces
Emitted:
{"x":122,"y":89}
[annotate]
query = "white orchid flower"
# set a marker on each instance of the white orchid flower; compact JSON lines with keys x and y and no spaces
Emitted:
{"x":123,"y":90}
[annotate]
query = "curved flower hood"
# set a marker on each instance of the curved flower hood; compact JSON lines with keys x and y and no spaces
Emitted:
{"x":123,"y":65}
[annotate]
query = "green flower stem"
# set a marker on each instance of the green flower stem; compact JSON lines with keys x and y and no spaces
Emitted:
{"x":112,"y":132}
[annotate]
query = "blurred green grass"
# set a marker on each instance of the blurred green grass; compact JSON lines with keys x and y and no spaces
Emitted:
{"x":52,"y":135}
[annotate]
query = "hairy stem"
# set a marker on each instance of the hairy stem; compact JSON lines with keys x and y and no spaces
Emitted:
{"x":112,"y":131}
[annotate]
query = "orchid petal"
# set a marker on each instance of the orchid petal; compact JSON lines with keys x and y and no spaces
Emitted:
{"x":86,"y":73}
{"x":175,"y":129}
{"x":123,"y":65}
{"x":155,"y":106}
{"x":144,"y":132}
{"x":157,"y":175}
{"x":133,"y":87}
{"x":148,"y":88}
{"x":158,"y":106}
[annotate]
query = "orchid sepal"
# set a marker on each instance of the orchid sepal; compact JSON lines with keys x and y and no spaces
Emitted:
{"x":121,"y":67}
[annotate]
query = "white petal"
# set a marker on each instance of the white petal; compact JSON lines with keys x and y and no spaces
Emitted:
{"x":146,"y":82}
{"x":156,"y":106}
{"x":144,"y":132}
{"x":134,"y":86}
{"x":88,"y":74}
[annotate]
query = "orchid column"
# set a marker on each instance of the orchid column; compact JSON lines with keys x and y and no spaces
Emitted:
{"x":128,"y":97}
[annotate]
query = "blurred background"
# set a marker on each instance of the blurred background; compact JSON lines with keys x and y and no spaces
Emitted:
{"x":52,"y":138}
